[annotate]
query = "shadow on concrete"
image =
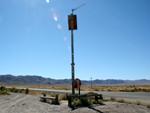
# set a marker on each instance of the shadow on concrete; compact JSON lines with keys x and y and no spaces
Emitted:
{"x":92,"y":108}
{"x":95,"y":109}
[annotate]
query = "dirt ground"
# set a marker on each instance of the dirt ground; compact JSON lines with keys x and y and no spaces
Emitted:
{"x":20,"y":103}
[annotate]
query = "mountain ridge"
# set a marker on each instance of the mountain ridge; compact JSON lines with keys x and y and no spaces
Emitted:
{"x":34,"y":79}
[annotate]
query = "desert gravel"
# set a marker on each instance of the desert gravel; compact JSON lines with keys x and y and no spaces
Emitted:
{"x":21,"y":103}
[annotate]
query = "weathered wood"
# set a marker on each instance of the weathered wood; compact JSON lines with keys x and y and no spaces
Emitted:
{"x":47,"y":98}
{"x":51,"y":100}
{"x":93,"y":96}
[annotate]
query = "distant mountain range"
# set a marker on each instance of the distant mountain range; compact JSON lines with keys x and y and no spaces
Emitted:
{"x":38,"y":80}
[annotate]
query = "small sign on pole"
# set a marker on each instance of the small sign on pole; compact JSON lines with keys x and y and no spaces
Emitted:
{"x":72,"y":22}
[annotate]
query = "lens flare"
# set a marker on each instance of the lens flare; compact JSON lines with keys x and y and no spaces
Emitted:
{"x":47,"y":1}
{"x":55,"y":17}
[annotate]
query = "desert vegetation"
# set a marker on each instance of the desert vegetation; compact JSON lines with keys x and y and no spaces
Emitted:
{"x":110,"y":88}
{"x":33,"y":98}
{"x":135,"y":102}
{"x":118,"y":88}
{"x":3,"y":91}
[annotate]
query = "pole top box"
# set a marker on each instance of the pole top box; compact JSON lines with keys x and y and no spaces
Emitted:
{"x":72,"y":22}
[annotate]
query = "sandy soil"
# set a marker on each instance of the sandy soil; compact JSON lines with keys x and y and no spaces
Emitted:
{"x":20,"y":103}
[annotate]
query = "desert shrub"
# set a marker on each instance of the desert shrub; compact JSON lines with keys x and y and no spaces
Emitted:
{"x":112,"y":98}
{"x":14,"y":90}
{"x":129,"y":102}
{"x":96,"y":89}
{"x":138,"y":102}
{"x":109,"y":90}
{"x":21,"y":90}
{"x":51,"y":94}
{"x":26,"y":91}
{"x":2,"y":88}
{"x":148,"y":106}
{"x":121,"y":101}
{"x":3,"y":91}
{"x":63,"y":96}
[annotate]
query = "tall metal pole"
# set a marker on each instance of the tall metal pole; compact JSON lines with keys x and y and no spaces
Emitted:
{"x":72,"y":24}
{"x":72,"y":63}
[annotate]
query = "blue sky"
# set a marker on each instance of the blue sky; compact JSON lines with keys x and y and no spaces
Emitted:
{"x":112,"y":40}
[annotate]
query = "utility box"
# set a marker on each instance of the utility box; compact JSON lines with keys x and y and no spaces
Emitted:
{"x":72,"y":22}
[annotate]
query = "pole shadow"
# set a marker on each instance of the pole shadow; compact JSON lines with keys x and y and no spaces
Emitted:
{"x":95,"y":109}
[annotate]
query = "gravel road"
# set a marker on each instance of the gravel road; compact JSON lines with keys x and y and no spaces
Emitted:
{"x":20,"y":103}
{"x":143,"y":97}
